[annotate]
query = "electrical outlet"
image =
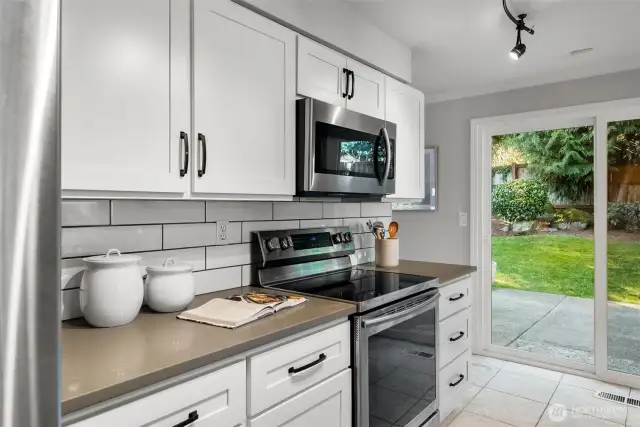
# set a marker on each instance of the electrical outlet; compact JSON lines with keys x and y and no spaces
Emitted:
{"x":463,"y":219}
{"x":222,"y":227}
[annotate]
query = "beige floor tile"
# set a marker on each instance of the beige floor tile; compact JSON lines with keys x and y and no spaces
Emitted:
{"x":633,"y":417}
{"x":489,"y":362}
{"x":594,"y":385}
{"x":467,"y":393}
{"x":558,"y":416}
{"x":480,"y":375}
{"x":584,"y":402}
{"x":533,"y":371}
{"x":526,"y":386}
{"x":468,"y":419}
{"x":506,"y":408}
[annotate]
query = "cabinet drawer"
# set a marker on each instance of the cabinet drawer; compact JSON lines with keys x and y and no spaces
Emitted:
{"x":454,"y":337}
{"x":453,"y":378}
{"x":455,"y":297}
{"x":219,"y":399}
{"x":323,"y":405}
{"x":282,"y":372}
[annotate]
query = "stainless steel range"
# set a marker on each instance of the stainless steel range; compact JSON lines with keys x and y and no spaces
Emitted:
{"x":395,"y":330}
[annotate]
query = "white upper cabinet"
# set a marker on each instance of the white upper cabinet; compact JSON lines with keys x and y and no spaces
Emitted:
{"x":244,"y":102}
{"x":366,"y":90}
{"x":321,"y":72}
{"x":125,"y":96}
{"x":405,"y":108}
{"x":329,"y":76}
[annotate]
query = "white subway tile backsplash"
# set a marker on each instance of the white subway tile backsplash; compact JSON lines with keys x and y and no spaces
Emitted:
{"x":363,"y":241}
{"x":327,"y":222}
{"x":375,"y":209}
{"x":358,"y":225}
{"x":239,"y":211}
{"x":85,"y":212}
{"x":234,"y":233}
{"x":156,"y":212}
{"x":70,"y":304}
{"x":176,"y":236}
{"x":193,"y":256}
{"x":217,"y":280}
{"x":363,"y":256}
{"x":340,"y":210}
{"x":249,"y":276}
{"x":297,"y":210}
{"x":84,"y":241}
{"x":228,"y":256}
{"x":250,"y":227}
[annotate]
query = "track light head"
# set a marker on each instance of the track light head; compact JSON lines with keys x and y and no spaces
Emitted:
{"x":517,"y":51}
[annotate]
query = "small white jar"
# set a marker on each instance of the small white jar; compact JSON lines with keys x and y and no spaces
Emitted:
{"x":111,"y":291}
{"x":169,"y":287}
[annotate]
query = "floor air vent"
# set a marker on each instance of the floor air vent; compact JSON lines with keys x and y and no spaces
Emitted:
{"x":618,"y":399}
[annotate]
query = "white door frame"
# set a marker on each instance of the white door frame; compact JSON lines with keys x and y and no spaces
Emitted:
{"x":597,"y":115}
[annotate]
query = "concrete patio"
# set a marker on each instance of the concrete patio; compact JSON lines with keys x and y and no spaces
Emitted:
{"x":562,"y":326}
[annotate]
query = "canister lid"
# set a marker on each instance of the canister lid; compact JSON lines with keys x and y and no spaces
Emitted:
{"x":113,"y":256}
{"x":170,"y":266}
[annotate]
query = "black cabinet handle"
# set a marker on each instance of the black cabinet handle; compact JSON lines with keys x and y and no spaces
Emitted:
{"x":457,"y":382}
{"x":457,"y":338}
{"x":353,"y":84}
{"x":193,"y":417}
{"x":185,"y":166}
{"x":456,"y":298}
{"x":346,"y":89}
{"x":320,"y":359}
{"x":203,"y":144}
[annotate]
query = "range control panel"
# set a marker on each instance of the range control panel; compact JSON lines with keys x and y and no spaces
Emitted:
{"x":316,"y":242}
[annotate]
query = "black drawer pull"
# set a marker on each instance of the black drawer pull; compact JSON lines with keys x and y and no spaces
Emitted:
{"x":457,"y":338}
{"x":458,"y":298}
{"x":320,"y":359}
{"x":185,"y":140}
{"x":457,"y":382}
{"x":193,"y":417}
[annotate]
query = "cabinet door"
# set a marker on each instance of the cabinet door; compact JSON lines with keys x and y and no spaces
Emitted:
{"x":405,"y":108}
{"x":368,"y":90}
{"x":321,"y":72}
{"x":117,"y":130}
{"x":326,"y":404}
{"x":244,"y":101}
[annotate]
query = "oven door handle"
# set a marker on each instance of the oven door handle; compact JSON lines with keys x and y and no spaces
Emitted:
{"x":387,"y":164}
{"x":404,"y":313}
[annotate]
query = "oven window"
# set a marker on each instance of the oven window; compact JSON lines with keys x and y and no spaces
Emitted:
{"x":402,"y":371}
{"x":347,"y":152}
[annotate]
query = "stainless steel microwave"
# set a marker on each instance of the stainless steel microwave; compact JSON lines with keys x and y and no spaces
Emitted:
{"x":343,"y":153}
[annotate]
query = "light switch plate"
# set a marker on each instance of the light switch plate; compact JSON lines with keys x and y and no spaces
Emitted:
{"x":463,"y":219}
{"x":222,"y":230}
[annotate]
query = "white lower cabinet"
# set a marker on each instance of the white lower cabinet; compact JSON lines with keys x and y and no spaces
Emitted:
{"x":327,"y":404}
{"x":217,"y":399}
{"x":453,"y":379}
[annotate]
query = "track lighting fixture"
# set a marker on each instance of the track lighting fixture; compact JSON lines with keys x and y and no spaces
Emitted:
{"x":520,"y":48}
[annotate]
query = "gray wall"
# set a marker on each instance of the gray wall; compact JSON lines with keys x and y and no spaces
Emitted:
{"x":436,"y":236}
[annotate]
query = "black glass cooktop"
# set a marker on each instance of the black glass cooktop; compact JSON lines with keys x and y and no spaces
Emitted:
{"x":368,"y":288}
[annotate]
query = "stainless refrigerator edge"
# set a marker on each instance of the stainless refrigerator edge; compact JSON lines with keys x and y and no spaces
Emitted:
{"x":29,"y":213}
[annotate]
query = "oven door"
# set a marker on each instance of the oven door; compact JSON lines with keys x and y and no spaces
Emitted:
{"x":347,"y":152}
{"x":395,"y":352}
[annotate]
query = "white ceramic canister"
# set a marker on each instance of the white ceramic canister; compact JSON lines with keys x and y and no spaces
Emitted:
{"x":169,"y":287}
{"x":112,"y":290}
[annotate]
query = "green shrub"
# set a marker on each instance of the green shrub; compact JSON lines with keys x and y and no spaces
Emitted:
{"x":624,"y":216}
{"x":521,"y":200}
{"x":573,"y":215}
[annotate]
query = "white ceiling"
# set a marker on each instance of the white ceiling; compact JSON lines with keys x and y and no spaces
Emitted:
{"x":460,"y":47}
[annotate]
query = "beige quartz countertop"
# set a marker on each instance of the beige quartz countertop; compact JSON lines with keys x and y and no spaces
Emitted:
{"x":444,"y":272}
{"x":100,"y":364}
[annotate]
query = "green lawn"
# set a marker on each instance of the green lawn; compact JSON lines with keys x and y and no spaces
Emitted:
{"x":564,"y":265}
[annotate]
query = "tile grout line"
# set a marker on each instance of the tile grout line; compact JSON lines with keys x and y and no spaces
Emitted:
{"x":546,"y":408}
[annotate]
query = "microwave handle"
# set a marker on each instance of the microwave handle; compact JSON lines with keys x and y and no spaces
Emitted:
{"x":403,"y":313}
{"x":387,"y":165}
{"x":375,"y":158}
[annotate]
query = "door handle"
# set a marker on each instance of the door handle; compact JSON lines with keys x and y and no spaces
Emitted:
{"x":459,"y":337}
{"x":458,"y":298}
{"x":346,"y":89}
{"x":203,"y":144}
{"x":389,"y":317}
{"x":319,"y":360}
{"x":387,"y":163}
{"x":455,"y":384}
{"x":184,"y":139}
{"x":193,"y":417}
{"x":353,"y":84}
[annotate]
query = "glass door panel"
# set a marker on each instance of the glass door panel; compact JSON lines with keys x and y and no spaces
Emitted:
{"x":623,"y":246}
